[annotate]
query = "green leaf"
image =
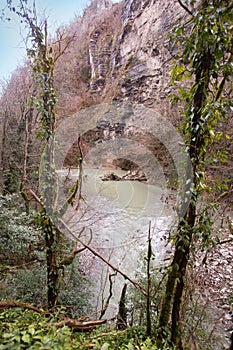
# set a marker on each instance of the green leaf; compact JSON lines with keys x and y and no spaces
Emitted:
{"x":26,"y":338}
{"x":31,"y":329}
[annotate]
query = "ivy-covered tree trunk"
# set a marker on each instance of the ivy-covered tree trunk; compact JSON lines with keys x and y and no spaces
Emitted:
{"x":204,"y":54}
{"x":43,"y":67}
{"x":43,"y":60}
{"x":52,"y":267}
{"x":186,"y":226}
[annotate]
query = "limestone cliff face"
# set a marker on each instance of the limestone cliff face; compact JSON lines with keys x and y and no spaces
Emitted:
{"x":131,"y":62}
{"x":103,"y":43}
{"x":135,"y":64}
{"x":130,"y":56}
{"x":144,"y":40}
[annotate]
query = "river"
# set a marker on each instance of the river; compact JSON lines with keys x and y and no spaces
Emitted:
{"x":119,"y":214}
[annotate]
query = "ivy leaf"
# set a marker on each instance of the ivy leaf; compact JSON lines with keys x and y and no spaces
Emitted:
{"x":26,"y":338}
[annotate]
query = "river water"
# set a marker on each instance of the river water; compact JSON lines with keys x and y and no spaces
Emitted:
{"x":119,"y":214}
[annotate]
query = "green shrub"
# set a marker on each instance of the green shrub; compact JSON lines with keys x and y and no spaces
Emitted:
{"x":23,"y":274}
{"x":28,"y":330}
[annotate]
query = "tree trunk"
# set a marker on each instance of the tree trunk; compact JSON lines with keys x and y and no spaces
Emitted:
{"x":3,"y":165}
{"x":52,"y":269}
{"x":231,"y":347}
{"x":122,"y":313}
{"x":148,"y":297}
{"x":172,"y":300}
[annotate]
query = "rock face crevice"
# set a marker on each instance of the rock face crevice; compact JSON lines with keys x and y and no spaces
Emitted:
{"x":103,"y":43}
{"x":99,"y":60}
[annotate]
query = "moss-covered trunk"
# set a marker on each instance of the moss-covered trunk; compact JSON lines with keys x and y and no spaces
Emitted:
{"x":172,"y":300}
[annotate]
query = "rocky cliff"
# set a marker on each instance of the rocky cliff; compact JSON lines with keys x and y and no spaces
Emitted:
{"x":135,"y":64}
{"x":130,"y":55}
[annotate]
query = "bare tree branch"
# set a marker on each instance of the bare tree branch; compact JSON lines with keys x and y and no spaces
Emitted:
{"x":67,"y":40}
{"x":36,"y":198}
{"x":185,"y":8}
{"x":11,"y":268}
{"x":7,"y":304}
{"x":104,"y":309}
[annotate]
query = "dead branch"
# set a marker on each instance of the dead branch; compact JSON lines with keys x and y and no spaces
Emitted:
{"x":77,"y":324}
{"x":185,"y":8}
{"x":66,"y":41}
{"x":36,"y":198}
{"x":82,"y":318}
{"x":226,"y":241}
{"x":94,"y":252}
{"x":90,"y":346}
{"x":76,"y":250}
{"x":7,"y":304}
{"x":104,"y":276}
{"x":104,"y":309}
